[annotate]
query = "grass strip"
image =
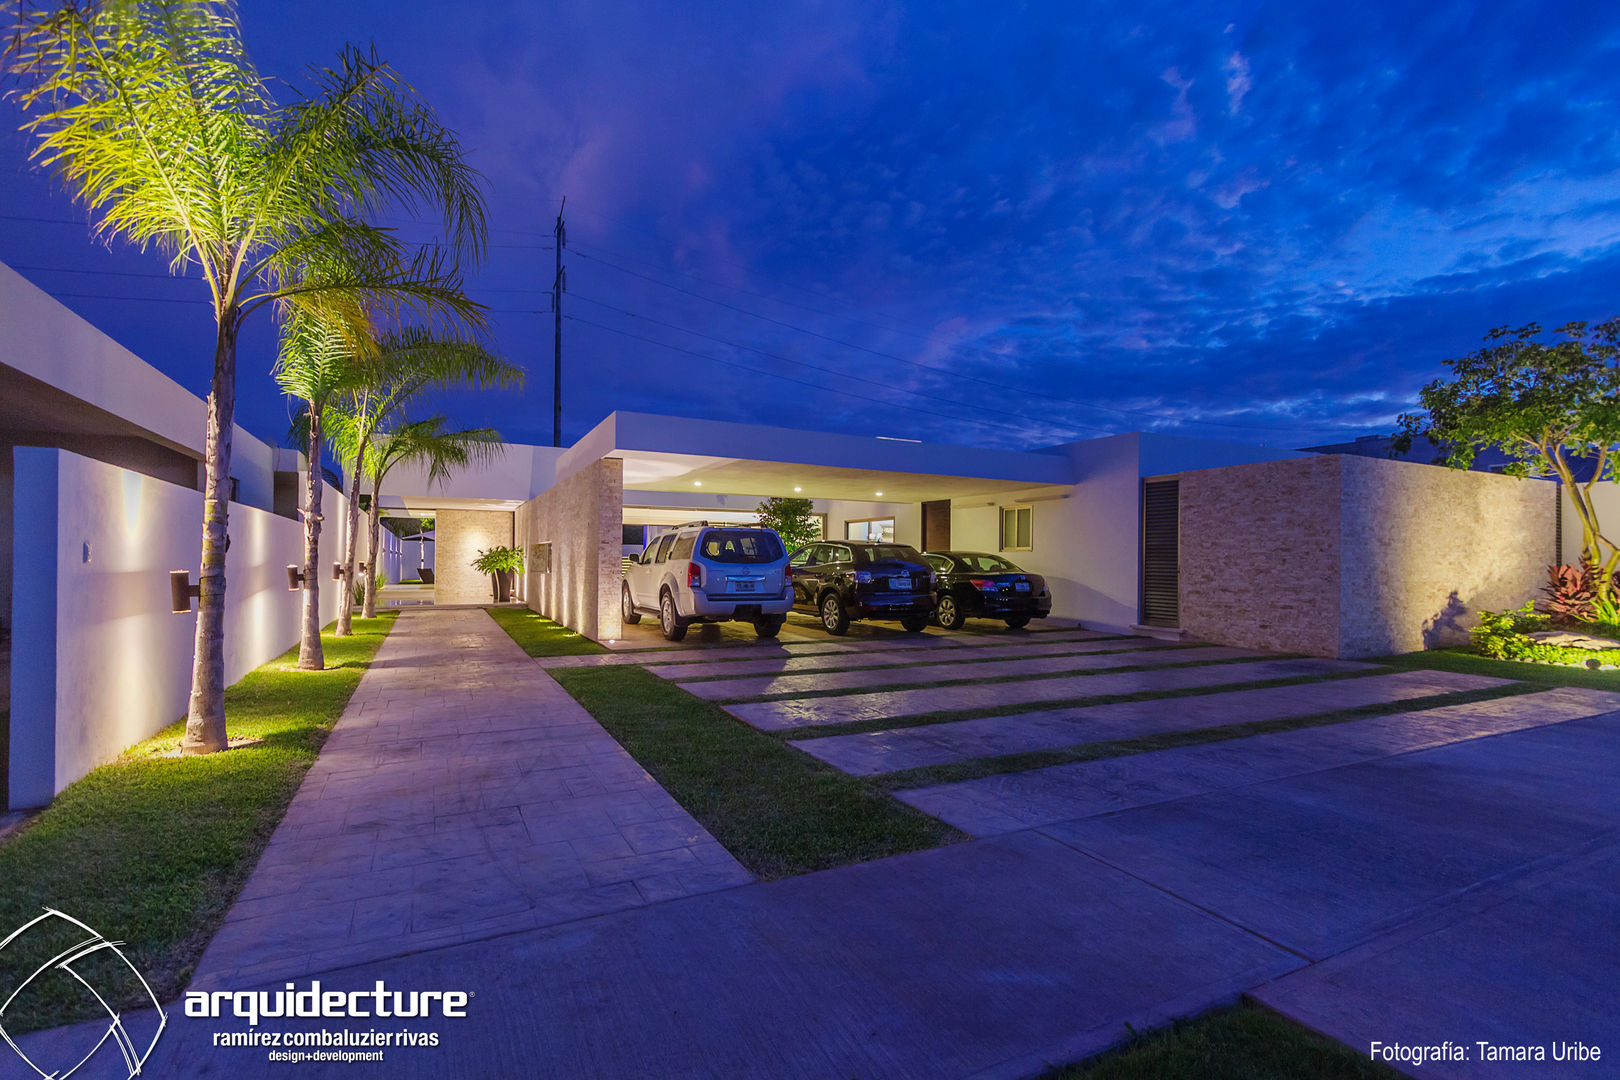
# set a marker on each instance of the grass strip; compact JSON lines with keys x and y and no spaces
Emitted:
{"x":861,"y":727}
{"x":931,"y":658}
{"x":977,"y":768}
{"x":778,"y":811}
{"x":5,"y":757}
{"x":1123,"y":669}
{"x":539,"y":636}
{"x":1245,"y":1042}
{"x":1467,"y":663}
{"x":152,"y":848}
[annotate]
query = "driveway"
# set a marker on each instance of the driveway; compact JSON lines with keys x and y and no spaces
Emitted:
{"x":1439,"y":866}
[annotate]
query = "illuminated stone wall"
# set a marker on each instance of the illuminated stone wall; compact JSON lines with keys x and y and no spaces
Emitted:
{"x":1350,"y":556}
{"x":581,"y":518}
{"x":98,"y":659}
{"x":458,"y":537}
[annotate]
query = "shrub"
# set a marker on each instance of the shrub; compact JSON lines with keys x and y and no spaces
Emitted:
{"x":1570,"y":592}
{"x":499,"y":560}
{"x":1505,"y":635}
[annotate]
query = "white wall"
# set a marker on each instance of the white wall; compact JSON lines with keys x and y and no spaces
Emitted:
{"x":1606,"y":498}
{"x":98,"y":660}
{"x":907,"y":518}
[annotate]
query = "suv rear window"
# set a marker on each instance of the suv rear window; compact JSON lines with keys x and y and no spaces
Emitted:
{"x":879,"y":552}
{"x":741,"y":546}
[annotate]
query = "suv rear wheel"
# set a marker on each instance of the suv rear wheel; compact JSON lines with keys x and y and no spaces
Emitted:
{"x":833,"y":615}
{"x":769,"y":626}
{"x":628,"y":607}
{"x":673,"y":626}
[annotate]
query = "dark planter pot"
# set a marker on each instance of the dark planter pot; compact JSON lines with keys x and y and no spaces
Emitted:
{"x":504,"y":581}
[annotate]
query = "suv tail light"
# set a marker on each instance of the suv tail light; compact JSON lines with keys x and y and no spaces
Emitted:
{"x":694,"y":575}
{"x":787,"y":575}
{"x":983,"y":584}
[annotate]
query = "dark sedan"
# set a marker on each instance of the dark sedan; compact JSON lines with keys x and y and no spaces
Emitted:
{"x":849,"y":580}
{"x":975,"y":584}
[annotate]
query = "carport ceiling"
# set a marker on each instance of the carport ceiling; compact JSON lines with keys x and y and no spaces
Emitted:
{"x":426,"y":505}
{"x":652,"y":471}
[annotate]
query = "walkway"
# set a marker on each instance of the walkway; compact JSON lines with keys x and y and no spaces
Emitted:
{"x":463,"y":794}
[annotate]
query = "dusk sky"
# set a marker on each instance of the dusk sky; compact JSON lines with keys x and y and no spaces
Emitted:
{"x":1004,"y":225}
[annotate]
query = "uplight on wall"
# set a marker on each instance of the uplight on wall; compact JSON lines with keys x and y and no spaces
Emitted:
{"x":338,"y":572}
{"x":295,"y":578}
{"x":181,"y":591}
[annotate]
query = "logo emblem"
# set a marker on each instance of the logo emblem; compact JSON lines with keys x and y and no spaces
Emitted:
{"x":56,"y":961}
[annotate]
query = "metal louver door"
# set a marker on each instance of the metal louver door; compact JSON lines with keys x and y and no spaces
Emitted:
{"x":1161,"y":555}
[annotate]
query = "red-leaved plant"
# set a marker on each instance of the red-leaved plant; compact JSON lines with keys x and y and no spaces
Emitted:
{"x":1570,"y":593}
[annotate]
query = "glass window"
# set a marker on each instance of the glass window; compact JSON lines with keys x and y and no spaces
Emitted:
{"x":633,"y":534}
{"x":742,"y":545}
{"x":988,"y":564}
{"x":836,"y":553}
{"x":875,"y":529}
{"x":684,"y":546}
{"x":802,"y":556}
{"x":1017,"y":528}
{"x":664,"y":546}
{"x":938,"y":562}
{"x":649,"y":551}
{"x":879,"y":552}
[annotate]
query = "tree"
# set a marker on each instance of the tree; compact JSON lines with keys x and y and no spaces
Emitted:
{"x":794,"y":520}
{"x":1543,"y":404}
{"x":314,"y":364}
{"x":405,"y":363}
{"x":153,"y":117}
{"x":441,"y":450}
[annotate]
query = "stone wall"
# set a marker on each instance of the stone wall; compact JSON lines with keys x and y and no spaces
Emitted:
{"x":459,"y":535}
{"x":1349,"y":556}
{"x":582,"y":519}
{"x":1260,"y":553}
{"x":1423,"y":548}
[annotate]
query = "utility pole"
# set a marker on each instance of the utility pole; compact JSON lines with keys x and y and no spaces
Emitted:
{"x":558,"y":284}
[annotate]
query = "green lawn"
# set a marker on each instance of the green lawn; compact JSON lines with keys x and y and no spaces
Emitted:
{"x":539,"y":636}
{"x":779,"y":811}
{"x":1541,"y":674}
{"x":152,"y":848}
{"x":1242,"y":1043}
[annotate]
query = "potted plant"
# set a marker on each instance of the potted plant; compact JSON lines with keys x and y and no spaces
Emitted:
{"x":503,"y":565}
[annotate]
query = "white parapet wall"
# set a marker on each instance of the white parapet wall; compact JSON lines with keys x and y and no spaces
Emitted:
{"x":98,"y":659}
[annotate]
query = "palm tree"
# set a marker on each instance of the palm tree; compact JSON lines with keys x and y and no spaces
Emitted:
{"x":152,"y":115}
{"x":442,"y":451}
{"x":314,"y":364}
{"x":406,"y":363}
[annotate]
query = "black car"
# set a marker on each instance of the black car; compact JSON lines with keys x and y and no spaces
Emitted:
{"x":973,"y":583}
{"x":844,"y":580}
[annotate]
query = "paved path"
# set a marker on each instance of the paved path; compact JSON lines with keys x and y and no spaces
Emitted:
{"x":817,"y":645}
{"x":979,"y":668}
{"x":848,"y":708}
{"x":996,"y":804}
{"x":462,"y":794}
{"x":873,"y":752}
{"x":797,"y":662}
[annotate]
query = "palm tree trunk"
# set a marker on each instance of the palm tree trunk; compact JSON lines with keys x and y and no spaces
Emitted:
{"x":311,"y":657}
{"x":369,"y":611}
{"x":205,"y":717}
{"x":345,"y":620}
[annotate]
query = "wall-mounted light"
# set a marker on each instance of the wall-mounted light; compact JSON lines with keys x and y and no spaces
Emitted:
{"x":295,"y":578}
{"x":181,"y":590}
{"x":338,"y":572}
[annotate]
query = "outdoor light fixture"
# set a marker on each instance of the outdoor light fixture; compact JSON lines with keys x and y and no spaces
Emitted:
{"x":697,"y":483}
{"x":295,"y":578}
{"x":337,"y":571}
{"x":798,"y":489}
{"x":880,"y":494}
{"x":181,"y":590}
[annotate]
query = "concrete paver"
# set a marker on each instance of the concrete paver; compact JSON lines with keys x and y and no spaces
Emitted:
{"x":873,"y":752}
{"x":462,"y":793}
{"x":846,"y":661}
{"x":1041,"y":797}
{"x":817,"y":644}
{"x":884,"y":705}
{"x":722,"y":689}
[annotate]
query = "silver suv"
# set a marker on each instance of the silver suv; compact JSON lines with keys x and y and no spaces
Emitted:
{"x":710,"y":573}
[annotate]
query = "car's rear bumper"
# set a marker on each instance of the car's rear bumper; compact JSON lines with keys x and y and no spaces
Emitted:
{"x":892,"y":607}
{"x":739,"y":607}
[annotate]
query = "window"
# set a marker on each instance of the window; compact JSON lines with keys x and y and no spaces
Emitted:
{"x":885,"y":552}
{"x":664,"y":545}
{"x":870,"y":529}
{"x":802,"y":556}
{"x":683,"y":546}
{"x":987,"y":564}
{"x":741,"y":546}
{"x":835,"y":553}
{"x":938,"y":562}
{"x":1017,"y":528}
{"x":634,"y":535}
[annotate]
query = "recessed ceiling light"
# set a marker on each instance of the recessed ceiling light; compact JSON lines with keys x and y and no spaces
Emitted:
{"x":880,"y":494}
{"x":798,"y":489}
{"x":697,"y":483}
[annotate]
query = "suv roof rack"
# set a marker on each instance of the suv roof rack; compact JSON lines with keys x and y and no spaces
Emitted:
{"x":689,"y":525}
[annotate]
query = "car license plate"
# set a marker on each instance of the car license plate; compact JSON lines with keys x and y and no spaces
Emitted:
{"x":1021,"y":586}
{"x":900,"y":583}
{"x":744,"y":586}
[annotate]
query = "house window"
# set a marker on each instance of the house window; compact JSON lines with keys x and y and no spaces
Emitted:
{"x":1017,"y":528}
{"x":870,"y":529}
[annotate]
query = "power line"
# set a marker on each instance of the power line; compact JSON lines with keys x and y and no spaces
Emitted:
{"x":785,"y":378}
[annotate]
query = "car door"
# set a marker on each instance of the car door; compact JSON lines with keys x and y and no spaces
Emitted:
{"x":802,"y":572}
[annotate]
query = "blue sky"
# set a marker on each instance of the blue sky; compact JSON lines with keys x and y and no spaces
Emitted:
{"x":997,"y":224}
